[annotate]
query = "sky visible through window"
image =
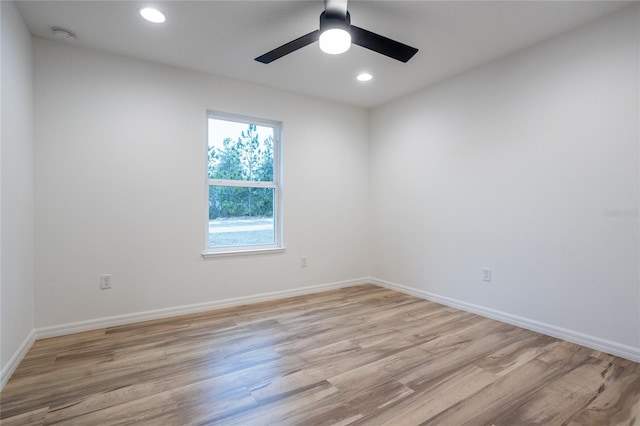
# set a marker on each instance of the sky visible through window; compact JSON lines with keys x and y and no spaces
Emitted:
{"x":219,"y":130}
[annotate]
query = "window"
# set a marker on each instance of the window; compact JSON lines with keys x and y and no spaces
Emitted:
{"x":243,"y":184}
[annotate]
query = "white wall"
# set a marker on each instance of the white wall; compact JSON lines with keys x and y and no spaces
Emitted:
{"x":512,"y":166}
{"x":120,"y":168}
{"x":16,"y":260}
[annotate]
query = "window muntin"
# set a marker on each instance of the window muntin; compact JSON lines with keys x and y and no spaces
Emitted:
{"x":243,"y":190}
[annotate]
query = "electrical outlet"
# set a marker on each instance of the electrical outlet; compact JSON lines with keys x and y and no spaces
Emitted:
{"x":105,"y":281}
{"x":304,"y":262}
{"x":486,"y":274}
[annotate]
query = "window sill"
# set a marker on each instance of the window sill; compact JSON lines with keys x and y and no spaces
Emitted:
{"x":240,"y":252}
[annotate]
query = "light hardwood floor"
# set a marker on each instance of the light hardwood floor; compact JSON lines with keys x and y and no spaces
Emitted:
{"x":359,"y":355}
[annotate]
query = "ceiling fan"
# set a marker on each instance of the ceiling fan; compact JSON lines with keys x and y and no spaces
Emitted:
{"x":336,"y":35}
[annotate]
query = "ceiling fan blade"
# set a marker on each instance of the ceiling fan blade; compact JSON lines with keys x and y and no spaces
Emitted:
{"x":386,"y":46}
{"x":292,"y":46}
{"x":336,"y":8}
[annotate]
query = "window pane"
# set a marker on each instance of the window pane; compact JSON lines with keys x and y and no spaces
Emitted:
{"x":240,"y":216}
{"x":240,"y":151}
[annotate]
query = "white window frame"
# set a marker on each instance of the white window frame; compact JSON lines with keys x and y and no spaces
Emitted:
{"x":276,"y":185}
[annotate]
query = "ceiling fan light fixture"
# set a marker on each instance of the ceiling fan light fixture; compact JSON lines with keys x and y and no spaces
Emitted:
{"x":335,"y":37}
{"x":335,"y":41}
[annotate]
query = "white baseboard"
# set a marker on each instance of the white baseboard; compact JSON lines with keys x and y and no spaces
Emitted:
{"x":624,"y":351}
{"x":98,"y":323}
{"x":11,"y":366}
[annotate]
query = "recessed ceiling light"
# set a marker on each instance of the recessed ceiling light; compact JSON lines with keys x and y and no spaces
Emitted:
{"x":152,"y":15}
{"x":365,"y":76}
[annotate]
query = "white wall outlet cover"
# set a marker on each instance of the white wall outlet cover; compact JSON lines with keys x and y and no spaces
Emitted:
{"x":105,"y":281}
{"x":486,"y":274}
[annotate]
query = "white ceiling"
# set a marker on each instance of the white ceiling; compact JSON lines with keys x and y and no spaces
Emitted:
{"x":223,"y":38}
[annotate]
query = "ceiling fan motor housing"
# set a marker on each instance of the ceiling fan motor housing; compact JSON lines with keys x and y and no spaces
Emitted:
{"x":330,"y":21}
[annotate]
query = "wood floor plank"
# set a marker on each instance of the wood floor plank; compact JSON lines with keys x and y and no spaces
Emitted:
{"x":454,"y":351}
{"x":29,"y":418}
{"x":617,"y":401}
{"x":427,"y":403}
{"x":512,"y":356}
{"x":104,"y":400}
{"x":561,"y":398}
{"x":292,"y":409}
{"x":361,"y":355}
{"x":158,"y":408}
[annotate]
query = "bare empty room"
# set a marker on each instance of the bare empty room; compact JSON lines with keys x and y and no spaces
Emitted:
{"x":320,"y":212}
